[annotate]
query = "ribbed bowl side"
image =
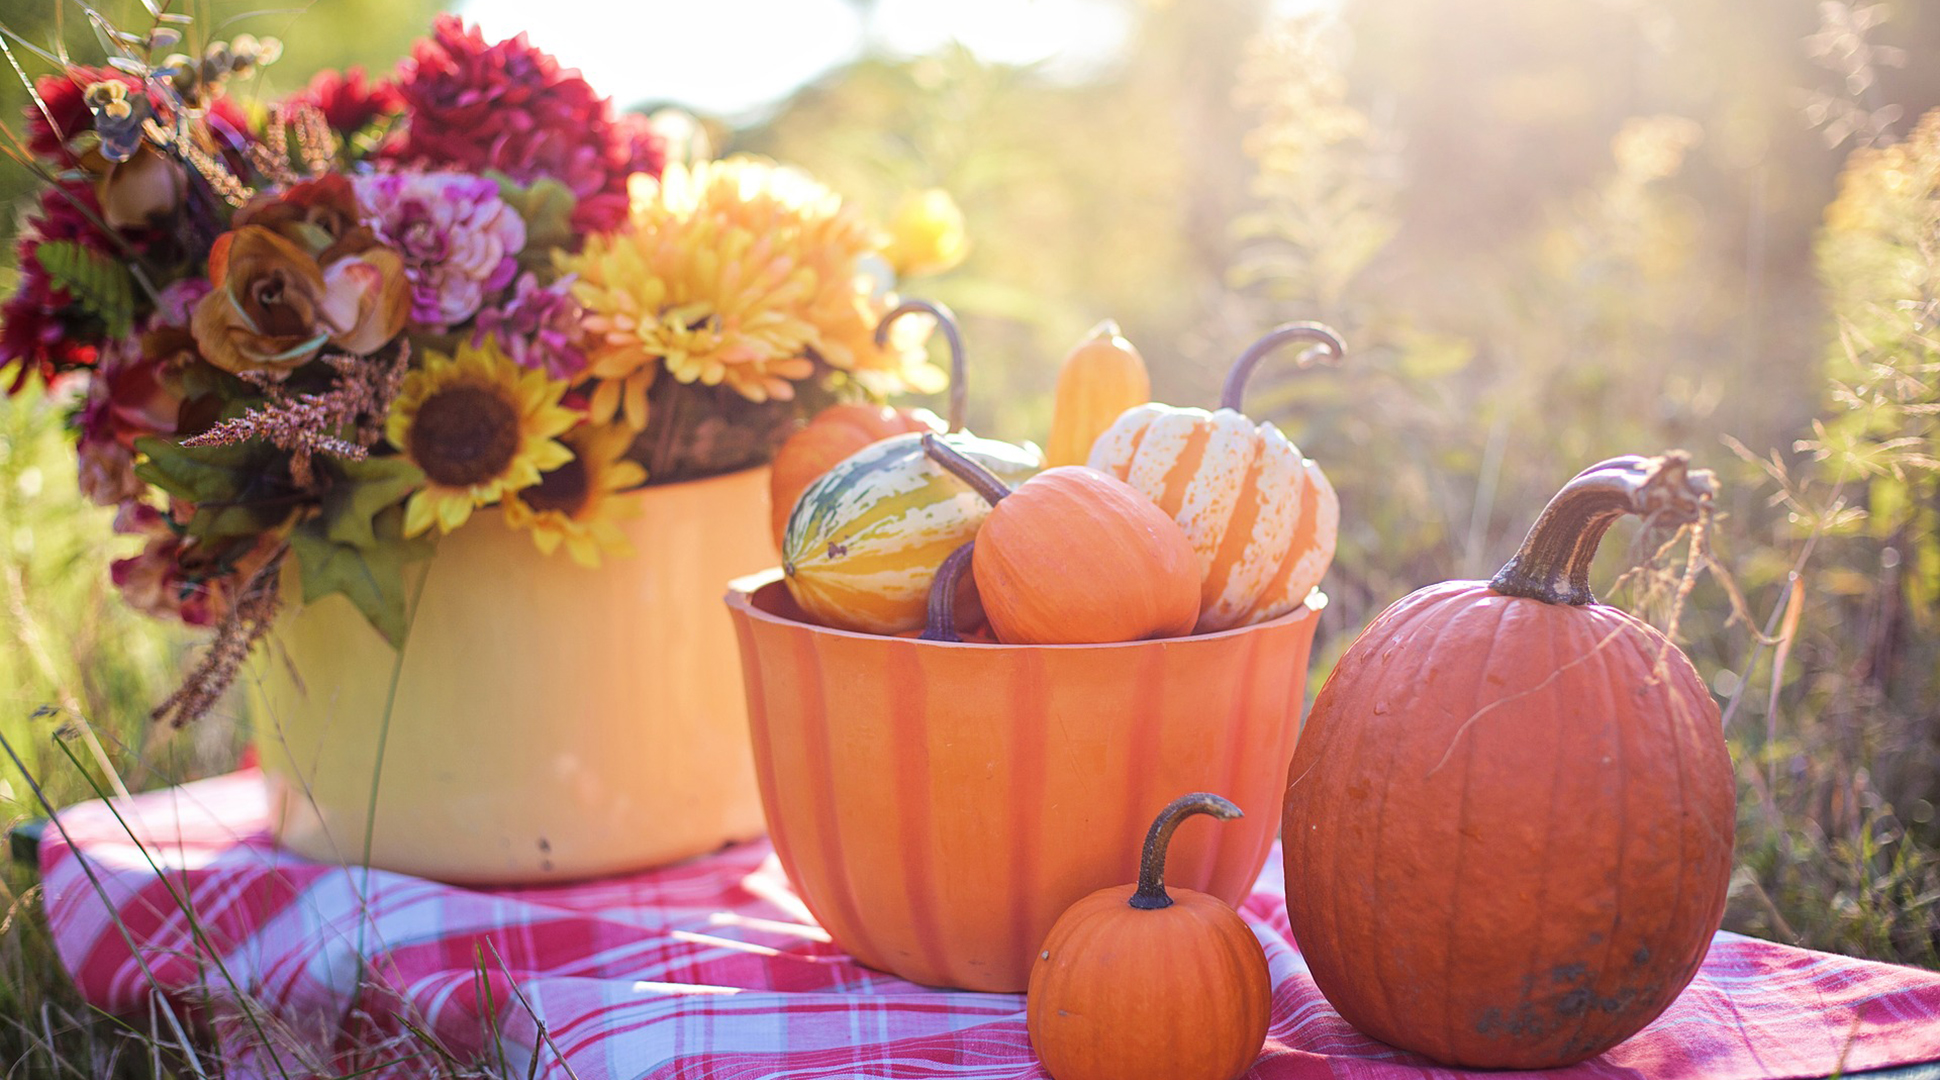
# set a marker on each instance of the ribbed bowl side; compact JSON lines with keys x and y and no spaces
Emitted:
{"x":938,"y":806}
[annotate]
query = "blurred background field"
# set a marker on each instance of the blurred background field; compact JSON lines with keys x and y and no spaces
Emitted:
{"x":1552,"y":233}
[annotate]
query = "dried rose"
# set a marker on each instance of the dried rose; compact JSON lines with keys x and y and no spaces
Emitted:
{"x":367,"y":300}
{"x":273,"y":306}
{"x":322,"y":216}
{"x":148,"y":186}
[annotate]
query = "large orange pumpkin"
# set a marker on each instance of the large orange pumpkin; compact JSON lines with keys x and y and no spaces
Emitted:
{"x":1073,"y":557}
{"x":840,"y":430}
{"x":1508,"y":822}
{"x":1138,"y":983}
{"x":1261,"y":516}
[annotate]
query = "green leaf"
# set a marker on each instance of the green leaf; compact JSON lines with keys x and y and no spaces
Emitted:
{"x":200,"y":473}
{"x":370,"y":577}
{"x":547,"y":207}
{"x":97,"y":282}
{"x":365,"y":489}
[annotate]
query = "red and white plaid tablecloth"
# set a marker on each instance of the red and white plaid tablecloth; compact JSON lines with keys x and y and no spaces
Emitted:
{"x":713,"y":968}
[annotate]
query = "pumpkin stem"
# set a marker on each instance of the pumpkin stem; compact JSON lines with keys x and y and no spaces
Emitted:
{"x":942,"y":623}
{"x":959,"y":388}
{"x":1553,"y":564}
{"x":1151,"y":865}
{"x":1330,"y":350}
{"x":982,"y":480}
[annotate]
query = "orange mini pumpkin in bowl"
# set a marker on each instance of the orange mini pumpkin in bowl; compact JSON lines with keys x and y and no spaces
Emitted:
{"x":1073,"y":556}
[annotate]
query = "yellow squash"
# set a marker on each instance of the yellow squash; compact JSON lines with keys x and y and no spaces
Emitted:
{"x":1100,"y":378}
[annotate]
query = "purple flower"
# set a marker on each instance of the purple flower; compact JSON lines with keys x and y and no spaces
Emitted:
{"x":457,"y":239}
{"x":538,"y":328}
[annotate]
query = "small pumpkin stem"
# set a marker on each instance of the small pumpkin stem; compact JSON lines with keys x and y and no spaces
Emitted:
{"x":1330,"y":349}
{"x":942,"y":623}
{"x":979,"y":478}
{"x":959,"y":388}
{"x":1553,"y":564}
{"x":1151,"y":865}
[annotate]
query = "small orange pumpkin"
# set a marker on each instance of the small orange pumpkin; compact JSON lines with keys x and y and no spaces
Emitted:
{"x":840,"y":430}
{"x":1508,"y":821}
{"x":1261,"y":517}
{"x":1100,"y":378}
{"x":1073,"y":556}
{"x":1134,"y":983}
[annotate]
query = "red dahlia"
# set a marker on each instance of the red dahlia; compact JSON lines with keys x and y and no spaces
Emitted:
{"x":41,"y":328}
{"x":511,"y":107}
{"x":350,"y":100}
{"x":68,"y":111}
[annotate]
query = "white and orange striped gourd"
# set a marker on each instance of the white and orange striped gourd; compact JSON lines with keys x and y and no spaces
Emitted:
{"x":1262,"y":517}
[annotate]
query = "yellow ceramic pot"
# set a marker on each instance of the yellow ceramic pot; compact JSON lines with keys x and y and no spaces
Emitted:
{"x":551,"y":722}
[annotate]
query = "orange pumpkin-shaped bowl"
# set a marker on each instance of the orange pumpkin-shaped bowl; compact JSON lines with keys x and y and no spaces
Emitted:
{"x":939,"y":804}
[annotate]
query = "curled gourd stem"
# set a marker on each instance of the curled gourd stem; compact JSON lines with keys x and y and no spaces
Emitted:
{"x":942,"y":622}
{"x":1150,"y":895}
{"x":1553,"y":564}
{"x":959,"y":389}
{"x":980,"y":479}
{"x":1330,"y":348}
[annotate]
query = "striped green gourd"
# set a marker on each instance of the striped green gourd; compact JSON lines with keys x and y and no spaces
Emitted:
{"x":866,"y":537}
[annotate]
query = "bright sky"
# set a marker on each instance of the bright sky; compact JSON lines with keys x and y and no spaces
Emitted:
{"x":732,"y":56}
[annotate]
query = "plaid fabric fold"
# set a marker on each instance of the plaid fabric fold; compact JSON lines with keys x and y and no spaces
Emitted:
{"x":714,"y":968}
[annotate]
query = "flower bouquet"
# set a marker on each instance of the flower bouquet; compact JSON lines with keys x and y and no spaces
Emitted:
{"x":322,"y":339}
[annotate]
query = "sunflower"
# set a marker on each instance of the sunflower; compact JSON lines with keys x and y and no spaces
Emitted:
{"x":479,"y":426}
{"x":574,"y":503}
{"x":740,"y":272}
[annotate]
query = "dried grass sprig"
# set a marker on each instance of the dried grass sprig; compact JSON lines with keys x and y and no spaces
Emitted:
{"x":308,"y":424}
{"x":249,"y":618}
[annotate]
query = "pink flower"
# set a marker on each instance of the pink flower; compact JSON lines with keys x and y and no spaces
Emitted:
{"x":457,"y":238}
{"x":538,"y":328}
{"x":135,"y":391}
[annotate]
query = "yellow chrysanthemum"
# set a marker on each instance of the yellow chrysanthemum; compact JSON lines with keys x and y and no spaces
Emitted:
{"x":574,"y":504}
{"x":480,"y":426}
{"x":739,"y":272}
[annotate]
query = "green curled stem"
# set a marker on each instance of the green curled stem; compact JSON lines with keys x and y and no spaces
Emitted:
{"x":1329,"y":348}
{"x":942,"y":622}
{"x":981,"y":480}
{"x":959,"y":387}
